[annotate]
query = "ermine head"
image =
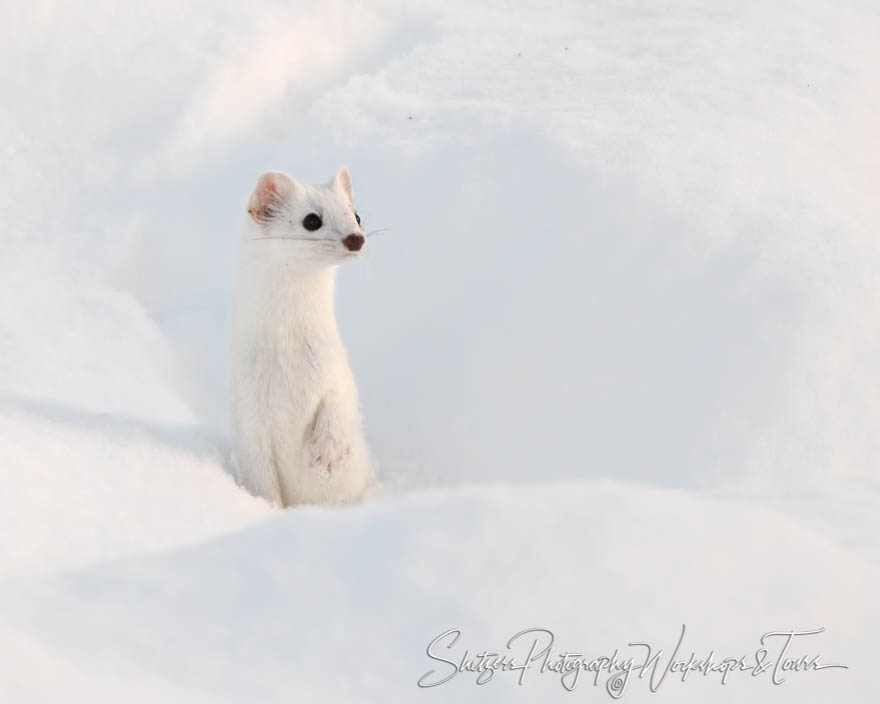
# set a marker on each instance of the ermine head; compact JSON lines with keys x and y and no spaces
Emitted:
{"x":319,"y":222}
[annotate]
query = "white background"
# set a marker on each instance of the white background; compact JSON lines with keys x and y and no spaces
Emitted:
{"x":617,"y":349}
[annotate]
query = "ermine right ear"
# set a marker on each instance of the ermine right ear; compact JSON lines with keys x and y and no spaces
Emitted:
{"x":272,"y":191}
{"x":342,"y":181}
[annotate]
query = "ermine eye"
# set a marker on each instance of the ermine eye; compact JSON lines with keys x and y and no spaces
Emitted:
{"x":357,"y":217}
{"x":312,"y":222}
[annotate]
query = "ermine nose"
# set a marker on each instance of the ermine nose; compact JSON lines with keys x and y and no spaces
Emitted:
{"x":353,"y":242}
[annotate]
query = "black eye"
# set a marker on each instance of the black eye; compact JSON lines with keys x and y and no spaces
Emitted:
{"x":357,"y":217}
{"x":312,"y":222}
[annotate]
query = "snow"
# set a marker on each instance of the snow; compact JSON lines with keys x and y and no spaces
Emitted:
{"x":617,"y":348}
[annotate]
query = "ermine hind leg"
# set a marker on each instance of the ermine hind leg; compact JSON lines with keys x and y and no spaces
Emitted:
{"x":258,"y":472}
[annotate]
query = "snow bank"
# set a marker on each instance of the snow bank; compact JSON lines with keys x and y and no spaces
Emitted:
{"x":341,"y":605}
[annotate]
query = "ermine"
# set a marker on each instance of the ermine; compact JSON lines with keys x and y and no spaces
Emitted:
{"x":296,"y":419}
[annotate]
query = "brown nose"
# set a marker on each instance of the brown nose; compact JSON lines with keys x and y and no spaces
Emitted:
{"x":353,"y":242}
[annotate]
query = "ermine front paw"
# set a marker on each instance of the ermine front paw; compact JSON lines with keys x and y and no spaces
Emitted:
{"x":330,"y":455}
{"x":328,"y":443}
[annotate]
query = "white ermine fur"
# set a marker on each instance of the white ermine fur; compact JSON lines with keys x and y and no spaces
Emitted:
{"x":296,"y":420}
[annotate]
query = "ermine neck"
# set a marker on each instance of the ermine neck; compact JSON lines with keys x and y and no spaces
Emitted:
{"x":307,"y":297}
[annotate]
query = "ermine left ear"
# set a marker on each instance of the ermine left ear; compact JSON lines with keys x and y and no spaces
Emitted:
{"x":342,"y":181}
{"x":273,"y":189}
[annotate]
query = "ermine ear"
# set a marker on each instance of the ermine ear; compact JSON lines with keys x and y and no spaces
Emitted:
{"x":273,"y":189}
{"x":342,"y":181}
